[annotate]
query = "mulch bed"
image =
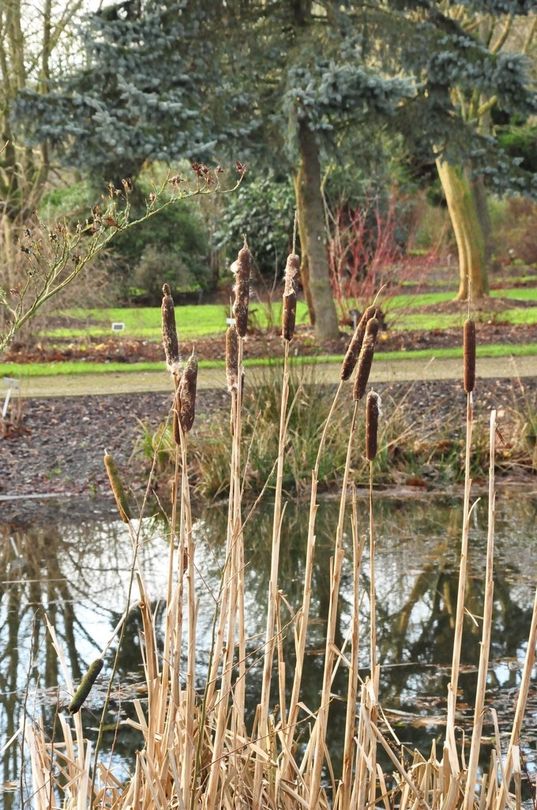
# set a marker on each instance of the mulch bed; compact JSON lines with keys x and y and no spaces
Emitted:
{"x":266,"y":344}
{"x":60,"y":442}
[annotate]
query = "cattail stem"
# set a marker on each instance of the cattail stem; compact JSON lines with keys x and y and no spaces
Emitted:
{"x":302,"y":628}
{"x":461,"y":594}
{"x":273,"y":600}
{"x":321,"y":723}
{"x":479,"y":706}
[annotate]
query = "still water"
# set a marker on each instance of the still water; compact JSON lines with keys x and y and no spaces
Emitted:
{"x":72,"y":562}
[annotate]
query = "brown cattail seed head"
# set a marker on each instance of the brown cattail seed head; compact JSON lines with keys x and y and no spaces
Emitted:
{"x":117,"y":488}
{"x":86,"y":683}
{"x":372,"y":411}
{"x":169,"y":332}
{"x":469,"y":355}
{"x":232,"y":359}
{"x":185,"y":399}
{"x":354,"y":347}
{"x":289,"y":297}
{"x":242,"y":290}
{"x":365,"y":359}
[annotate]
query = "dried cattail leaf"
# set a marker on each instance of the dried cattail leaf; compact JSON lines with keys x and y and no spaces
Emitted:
{"x":186,"y":394}
{"x":117,"y":488}
{"x":372,"y":410}
{"x":242,"y":290}
{"x":81,"y":694}
{"x":469,"y":355}
{"x":232,"y":359}
{"x":169,"y":332}
{"x":365,"y":359}
{"x":289,"y":297}
{"x":355,"y":346}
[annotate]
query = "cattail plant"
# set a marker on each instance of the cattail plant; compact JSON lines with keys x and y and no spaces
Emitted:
{"x":365,"y":359}
{"x":469,"y":355}
{"x":117,"y":488}
{"x":372,"y":411}
{"x":185,"y":399}
{"x":242,"y":289}
{"x":289,"y":297}
{"x":355,"y":346}
{"x":169,"y":333}
{"x":81,"y":694}
{"x":232,"y":358}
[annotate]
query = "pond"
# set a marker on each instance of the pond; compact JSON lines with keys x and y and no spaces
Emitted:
{"x":72,"y":562}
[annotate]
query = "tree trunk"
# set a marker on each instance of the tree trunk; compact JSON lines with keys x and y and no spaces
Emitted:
{"x":465,"y":220}
{"x":312,"y":231}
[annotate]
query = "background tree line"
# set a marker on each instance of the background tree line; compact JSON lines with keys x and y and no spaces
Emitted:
{"x":329,"y":103}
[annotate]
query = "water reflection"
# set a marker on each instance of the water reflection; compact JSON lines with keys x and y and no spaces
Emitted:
{"x":77,"y":573}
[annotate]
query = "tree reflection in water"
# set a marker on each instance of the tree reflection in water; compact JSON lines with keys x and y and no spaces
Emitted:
{"x":77,"y":573}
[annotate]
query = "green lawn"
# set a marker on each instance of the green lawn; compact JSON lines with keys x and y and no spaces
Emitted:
{"x":144,"y":322}
{"x":21,"y":370}
{"x":210,"y":319}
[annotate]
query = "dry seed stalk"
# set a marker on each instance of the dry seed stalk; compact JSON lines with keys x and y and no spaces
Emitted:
{"x":169,"y":332}
{"x":355,"y":346}
{"x":232,"y":359}
{"x":242,"y":290}
{"x":81,"y":694}
{"x":469,"y":355}
{"x":117,"y":488}
{"x":289,"y":297}
{"x":372,"y":409}
{"x":365,"y":359}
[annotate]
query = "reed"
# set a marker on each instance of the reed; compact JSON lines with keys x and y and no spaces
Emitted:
{"x":200,"y":751}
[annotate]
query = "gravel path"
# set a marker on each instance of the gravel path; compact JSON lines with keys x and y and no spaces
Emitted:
{"x":383,"y":371}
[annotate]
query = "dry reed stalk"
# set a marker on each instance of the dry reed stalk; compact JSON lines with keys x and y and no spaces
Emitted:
{"x":372,"y":635}
{"x":292,"y":270}
{"x":355,"y":345}
{"x":479,"y":705}
{"x":242,"y":290}
{"x":303,"y":614}
{"x":523,"y":692}
{"x":272,"y":599}
{"x":352,"y":686}
{"x":469,"y":352}
{"x":170,"y":341}
{"x":461,"y":594}
{"x":365,"y":359}
{"x":117,"y":488}
{"x":321,"y":723}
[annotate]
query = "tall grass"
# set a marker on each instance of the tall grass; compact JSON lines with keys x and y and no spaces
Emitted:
{"x":200,"y":747}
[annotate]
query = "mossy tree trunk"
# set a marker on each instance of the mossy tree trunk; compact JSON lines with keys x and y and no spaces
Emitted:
{"x":468,"y":230}
{"x":312,"y":232}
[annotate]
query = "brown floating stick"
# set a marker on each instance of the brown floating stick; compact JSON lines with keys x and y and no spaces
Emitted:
{"x":289,"y":297}
{"x":86,"y":683}
{"x":372,"y":411}
{"x":365,"y":359}
{"x":117,"y":488}
{"x":242,"y":290}
{"x":354,"y":347}
{"x":169,"y":332}
{"x":469,"y":355}
{"x":232,"y":359}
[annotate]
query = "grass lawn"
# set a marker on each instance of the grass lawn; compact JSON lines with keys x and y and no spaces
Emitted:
{"x":21,"y":370}
{"x":210,"y":319}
